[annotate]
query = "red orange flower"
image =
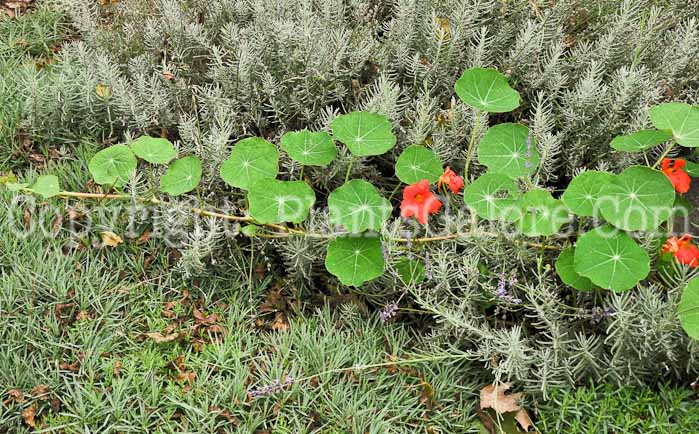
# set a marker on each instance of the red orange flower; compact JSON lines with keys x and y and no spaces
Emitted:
{"x":419,"y":201}
{"x":673,"y":169}
{"x":450,"y":178}
{"x":684,"y":251}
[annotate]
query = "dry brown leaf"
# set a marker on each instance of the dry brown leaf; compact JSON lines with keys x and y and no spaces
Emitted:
{"x":117,"y":368}
{"x":145,"y":236}
{"x":280,"y":323}
{"x":161,"y":338}
{"x":522,"y":417}
{"x":28,"y":415}
{"x":111,"y":239}
{"x":493,"y":396}
{"x":40,"y":391}
{"x":14,"y":395}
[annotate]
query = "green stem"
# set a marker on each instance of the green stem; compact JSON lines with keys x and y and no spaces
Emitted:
{"x":301,"y":174}
{"x":395,"y":190}
{"x":349,"y":169}
{"x":665,"y":154}
{"x":471,"y":143}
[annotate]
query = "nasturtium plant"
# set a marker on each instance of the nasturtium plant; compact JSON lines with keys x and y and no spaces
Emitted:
{"x":364,"y":133}
{"x":309,"y":148}
{"x":46,"y":186}
{"x":679,"y":118}
{"x":508,"y":149}
{"x":275,"y":201}
{"x":494,"y":197}
{"x":688,"y":309}
{"x":182,"y":176}
{"x":638,"y":199}
{"x":542,"y":215}
{"x":251,"y":160}
{"x":640,"y":140}
{"x":410,"y":271}
{"x":691,"y":168}
{"x":486,"y":89}
{"x":416,"y":163}
{"x":358,"y":206}
{"x":355,"y":259}
{"x":583,"y":192}
{"x":154,"y":150}
{"x":611,"y":259}
{"x":565,"y":267}
{"x":113,"y":166}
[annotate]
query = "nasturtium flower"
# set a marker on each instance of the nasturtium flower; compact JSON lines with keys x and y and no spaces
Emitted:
{"x":683,"y":250}
{"x":450,"y":178}
{"x":419,"y":201}
{"x":674,"y":170}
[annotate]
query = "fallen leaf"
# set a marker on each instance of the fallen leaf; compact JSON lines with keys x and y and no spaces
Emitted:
{"x":40,"y":391}
{"x":28,"y":415}
{"x":145,"y":236}
{"x":280,"y":323}
{"x":117,"y":368}
{"x":110,"y":239}
{"x":522,"y":417}
{"x":493,"y":396}
{"x":160,"y":338}
{"x":103,"y":91}
{"x":225,"y":414}
{"x":14,"y":395}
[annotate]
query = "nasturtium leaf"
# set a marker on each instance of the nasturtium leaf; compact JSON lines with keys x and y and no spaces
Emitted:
{"x":682,"y":208}
{"x":410,"y":271}
{"x":679,"y":118}
{"x":638,"y":199}
{"x":16,"y":186}
{"x":46,"y":186}
{"x":542,"y":215}
{"x":355,"y":260}
{"x":181,"y":176}
{"x":583,"y":192}
{"x":251,"y":160}
{"x":494,"y":197}
{"x":249,"y":230}
{"x":275,"y":201}
{"x":364,"y":133}
{"x":611,"y":259}
{"x":692,"y":168}
{"x":565,"y":267}
{"x":112,"y":166}
{"x":486,"y":89}
{"x":640,"y":140}
{"x":309,"y":148}
{"x":688,"y":309}
{"x":154,"y":150}
{"x":358,"y":206}
{"x":508,"y":149}
{"x":417,"y":163}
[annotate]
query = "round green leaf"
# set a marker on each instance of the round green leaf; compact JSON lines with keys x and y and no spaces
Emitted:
{"x":688,"y":309}
{"x":640,"y":140}
{"x":364,"y":133}
{"x":182,"y":176}
{"x":638,"y":199}
{"x":542,"y":215}
{"x":358,"y":206}
{"x":486,"y":89}
{"x":113,"y":166}
{"x":505,"y":149}
{"x":692,"y":169}
{"x":611,"y":259}
{"x":154,"y":150}
{"x":494,"y":197}
{"x":251,"y":160}
{"x":274,"y":201}
{"x":46,"y":186}
{"x":417,"y":163}
{"x":410,"y":271}
{"x":583,"y":192}
{"x":679,"y":118}
{"x":566,"y":271}
{"x":355,"y":260}
{"x":309,"y":148}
